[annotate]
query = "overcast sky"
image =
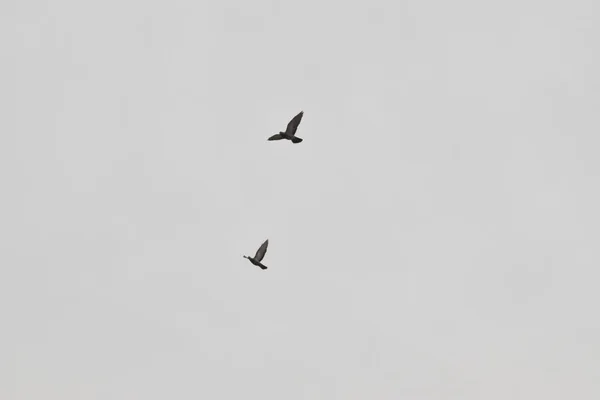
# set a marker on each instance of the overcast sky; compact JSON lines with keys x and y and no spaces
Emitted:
{"x":435,"y":236}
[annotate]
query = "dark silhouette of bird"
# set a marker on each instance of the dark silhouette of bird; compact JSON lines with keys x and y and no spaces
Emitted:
{"x":260,"y":254}
{"x":290,"y":131}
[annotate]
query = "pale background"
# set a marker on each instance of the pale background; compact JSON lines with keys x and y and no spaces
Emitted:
{"x":435,"y":236}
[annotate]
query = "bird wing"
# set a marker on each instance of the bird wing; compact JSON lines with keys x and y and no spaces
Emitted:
{"x":262,"y":250}
{"x":276,"y":137}
{"x":293,"y":124}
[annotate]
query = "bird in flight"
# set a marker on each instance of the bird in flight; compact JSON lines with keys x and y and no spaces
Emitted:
{"x":290,"y":131}
{"x":260,"y":254}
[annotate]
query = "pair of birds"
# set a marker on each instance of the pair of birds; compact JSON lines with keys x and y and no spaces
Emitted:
{"x":289,"y":134}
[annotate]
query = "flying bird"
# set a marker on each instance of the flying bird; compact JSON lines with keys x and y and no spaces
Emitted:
{"x":260,"y":254}
{"x":290,"y":131}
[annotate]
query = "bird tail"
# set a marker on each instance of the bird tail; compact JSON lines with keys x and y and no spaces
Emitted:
{"x":262,"y":266}
{"x":296,"y":139}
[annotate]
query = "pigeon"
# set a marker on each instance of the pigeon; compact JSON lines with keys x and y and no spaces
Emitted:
{"x":260,"y":254}
{"x":290,"y":131}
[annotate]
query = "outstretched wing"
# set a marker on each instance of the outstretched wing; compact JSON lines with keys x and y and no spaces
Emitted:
{"x":293,"y":124}
{"x":262,"y":250}
{"x":276,"y":137}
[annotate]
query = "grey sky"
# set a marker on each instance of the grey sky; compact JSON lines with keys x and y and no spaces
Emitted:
{"x":435,"y":236}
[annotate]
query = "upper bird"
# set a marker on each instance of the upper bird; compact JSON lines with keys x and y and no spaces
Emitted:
{"x":290,"y":131}
{"x":260,"y":254}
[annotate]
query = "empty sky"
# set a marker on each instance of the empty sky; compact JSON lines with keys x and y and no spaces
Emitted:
{"x":435,"y":236}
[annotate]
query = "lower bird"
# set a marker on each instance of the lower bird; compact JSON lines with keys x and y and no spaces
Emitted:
{"x":260,"y":254}
{"x":290,"y":131}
